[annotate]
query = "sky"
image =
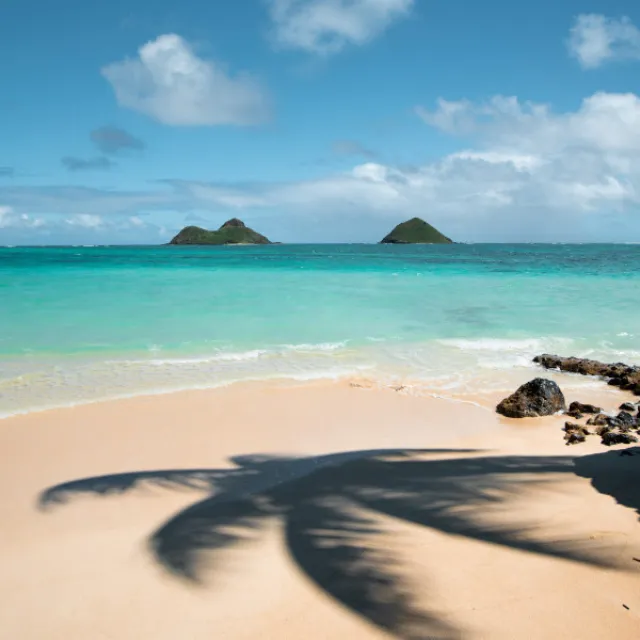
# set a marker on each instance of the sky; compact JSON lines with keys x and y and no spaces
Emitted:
{"x":319,"y":120}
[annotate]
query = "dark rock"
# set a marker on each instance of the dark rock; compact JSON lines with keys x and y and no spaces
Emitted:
{"x":576,"y":415}
{"x":572,"y":427}
{"x":615,"y":437}
{"x":627,"y":406}
{"x":575,"y":438}
{"x":600,"y":420}
{"x":538,"y":397}
{"x":626,"y":419}
{"x":578,"y":407}
{"x":619,"y":374}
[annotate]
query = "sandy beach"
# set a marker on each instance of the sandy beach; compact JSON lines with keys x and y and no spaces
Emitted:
{"x":322,"y":510}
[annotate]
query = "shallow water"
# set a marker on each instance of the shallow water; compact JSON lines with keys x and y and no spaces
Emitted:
{"x":81,"y":323}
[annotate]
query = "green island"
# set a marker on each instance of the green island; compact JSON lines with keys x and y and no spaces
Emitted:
{"x":415,"y":231}
{"x":233,"y":231}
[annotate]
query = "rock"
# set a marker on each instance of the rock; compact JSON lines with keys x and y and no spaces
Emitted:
{"x":615,"y":437}
{"x":626,"y":419}
{"x":538,"y":397}
{"x":578,"y":407}
{"x":575,"y":438}
{"x":627,"y":406}
{"x":415,"y":231}
{"x":572,"y":427}
{"x":233,"y":231}
{"x":619,"y":374}
{"x":600,"y":420}
{"x":623,"y":421}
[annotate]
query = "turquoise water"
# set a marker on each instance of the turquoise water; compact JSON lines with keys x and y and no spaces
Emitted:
{"x":80,"y":323}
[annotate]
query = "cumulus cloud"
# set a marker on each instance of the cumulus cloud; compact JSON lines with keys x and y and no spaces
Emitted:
{"x":595,"y":39}
{"x":10,"y":219}
{"x":85,"y":220}
{"x":328,"y":26}
{"x":170,"y":83}
{"x":111,"y":140}
{"x":86,"y":164}
{"x":605,"y":122}
{"x":23,"y":228}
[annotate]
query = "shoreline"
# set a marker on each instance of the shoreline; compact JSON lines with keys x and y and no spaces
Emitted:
{"x":509,"y":379}
{"x":220,"y":511}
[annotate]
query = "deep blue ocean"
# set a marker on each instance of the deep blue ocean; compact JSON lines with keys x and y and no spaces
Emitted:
{"x":82,"y":323}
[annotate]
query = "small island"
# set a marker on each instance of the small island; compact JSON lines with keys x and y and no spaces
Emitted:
{"x":415,"y":231}
{"x":233,"y":231}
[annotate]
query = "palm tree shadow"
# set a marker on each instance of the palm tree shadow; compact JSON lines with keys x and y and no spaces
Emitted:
{"x":614,"y":473}
{"x":331,"y":507}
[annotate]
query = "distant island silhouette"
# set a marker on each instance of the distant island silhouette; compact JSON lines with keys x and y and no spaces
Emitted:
{"x":233,"y":231}
{"x":415,"y":231}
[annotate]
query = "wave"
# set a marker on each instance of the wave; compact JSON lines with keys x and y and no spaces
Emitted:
{"x":232,"y":356}
{"x":505,"y":344}
{"x":452,"y":366}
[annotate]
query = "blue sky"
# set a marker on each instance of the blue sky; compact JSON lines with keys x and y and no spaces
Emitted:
{"x":319,"y":120}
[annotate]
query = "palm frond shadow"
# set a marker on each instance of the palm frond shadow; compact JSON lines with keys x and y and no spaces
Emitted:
{"x":331,"y":507}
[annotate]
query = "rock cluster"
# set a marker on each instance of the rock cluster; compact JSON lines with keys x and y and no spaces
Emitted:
{"x":612,"y":429}
{"x":618,"y":375}
{"x":542,"y":397}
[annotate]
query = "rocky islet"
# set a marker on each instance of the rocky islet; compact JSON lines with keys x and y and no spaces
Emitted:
{"x":233,"y":231}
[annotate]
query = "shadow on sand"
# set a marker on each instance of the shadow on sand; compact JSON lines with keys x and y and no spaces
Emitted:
{"x":330,"y":508}
{"x":615,"y":474}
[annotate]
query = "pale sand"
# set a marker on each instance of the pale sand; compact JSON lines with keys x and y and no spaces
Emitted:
{"x":515,"y":541}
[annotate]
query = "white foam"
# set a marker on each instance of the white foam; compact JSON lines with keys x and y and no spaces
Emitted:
{"x":322,"y":346}
{"x":239,"y":356}
{"x":503,"y":344}
{"x":446,"y":366}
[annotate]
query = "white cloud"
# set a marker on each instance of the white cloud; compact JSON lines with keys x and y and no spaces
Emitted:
{"x":608,"y":122}
{"x":5,"y":212}
{"x":85,"y":220}
{"x":450,"y":116}
{"x":596,"y":39}
{"x":168,"y":82}
{"x":10,"y":219}
{"x":521,"y":162}
{"x":55,"y":228}
{"x":327,"y":26}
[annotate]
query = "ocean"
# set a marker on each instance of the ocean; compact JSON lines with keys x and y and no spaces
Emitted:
{"x":79,"y":324}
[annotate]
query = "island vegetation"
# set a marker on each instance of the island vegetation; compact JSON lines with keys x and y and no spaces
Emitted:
{"x":233,"y":231}
{"x":415,"y":231}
